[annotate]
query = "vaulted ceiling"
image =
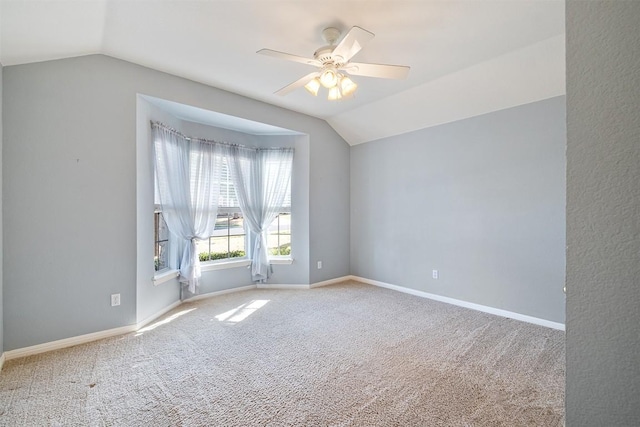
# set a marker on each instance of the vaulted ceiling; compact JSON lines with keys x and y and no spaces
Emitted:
{"x":466,"y":57}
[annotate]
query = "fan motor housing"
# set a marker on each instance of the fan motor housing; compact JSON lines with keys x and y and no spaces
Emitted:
{"x":324,"y":54}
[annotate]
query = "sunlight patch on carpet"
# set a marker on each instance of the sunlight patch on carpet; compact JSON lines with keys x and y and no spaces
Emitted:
{"x":163,"y":321}
{"x":243,"y":311}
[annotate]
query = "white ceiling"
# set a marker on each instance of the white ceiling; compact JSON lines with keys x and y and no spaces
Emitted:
{"x":467,"y":57}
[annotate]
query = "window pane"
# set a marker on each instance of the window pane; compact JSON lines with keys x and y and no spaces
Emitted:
{"x":219,"y":247}
{"x":161,"y":241}
{"x":163,"y":230}
{"x":285,"y":223}
{"x":202,"y":249}
{"x":279,"y":236}
{"x":161,"y":256}
{"x":227,"y":190}
{"x":227,"y":241}
{"x":222,"y":223}
{"x":236,"y":223}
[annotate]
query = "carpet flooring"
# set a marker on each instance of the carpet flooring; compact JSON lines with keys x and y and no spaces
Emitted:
{"x":343,"y":355}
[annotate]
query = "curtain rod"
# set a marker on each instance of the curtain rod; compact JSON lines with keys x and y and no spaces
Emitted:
{"x":211,"y":141}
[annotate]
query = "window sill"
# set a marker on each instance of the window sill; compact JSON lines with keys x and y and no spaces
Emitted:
{"x":165,"y":276}
{"x":281,"y":261}
{"x":224,"y":265}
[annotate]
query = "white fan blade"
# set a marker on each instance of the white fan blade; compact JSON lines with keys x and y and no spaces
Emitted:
{"x":298,"y":83}
{"x":290,"y":57}
{"x":352,"y":43}
{"x":377,"y":70}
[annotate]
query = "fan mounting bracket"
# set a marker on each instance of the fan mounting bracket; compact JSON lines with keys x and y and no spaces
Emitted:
{"x":331,"y":35}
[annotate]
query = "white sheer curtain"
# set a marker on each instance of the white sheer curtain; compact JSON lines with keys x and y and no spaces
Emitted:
{"x":188,"y":185}
{"x":261,"y":178}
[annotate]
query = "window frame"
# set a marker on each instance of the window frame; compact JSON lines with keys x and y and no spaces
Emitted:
{"x":283,"y":210}
{"x":169,"y":271}
{"x":228,"y":210}
{"x":158,"y":214}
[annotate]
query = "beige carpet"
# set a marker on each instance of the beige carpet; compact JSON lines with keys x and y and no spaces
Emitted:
{"x":343,"y":355}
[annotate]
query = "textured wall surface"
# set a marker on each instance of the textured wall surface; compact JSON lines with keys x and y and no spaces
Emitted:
{"x":1,"y":227}
{"x":603,"y":213}
{"x":70,"y":190}
{"x":482,"y":200}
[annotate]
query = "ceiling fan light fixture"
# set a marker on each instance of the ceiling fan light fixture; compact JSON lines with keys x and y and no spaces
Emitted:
{"x":334,"y":58}
{"x":313,"y":86}
{"x":329,"y":78}
{"x":334,"y":94}
{"x":347,"y":86}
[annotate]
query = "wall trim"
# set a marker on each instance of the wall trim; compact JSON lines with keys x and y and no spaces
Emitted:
{"x":218,"y":293}
{"x":82,"y":339}
{"x":154,"y":316}
{"x":311,"y":286}
{"x":94,"y":336}
{"x":67,"y":342}
{"x":165,"y":277}
{"x":465,"y":304}
{"x":332,"y":281}
{"x":223,"y":265}
{"x":280,"y":286}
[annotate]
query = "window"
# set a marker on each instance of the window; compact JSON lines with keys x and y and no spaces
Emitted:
{"x":229,"y":237}
{"x":228,"y":240}
{"x":161,"y":233}
{"x":204,"y":172}
{"x":279,"y":236}
{"x":279,"y":231}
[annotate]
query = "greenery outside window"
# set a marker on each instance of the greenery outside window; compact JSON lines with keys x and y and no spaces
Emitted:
{"x":229,"y":238}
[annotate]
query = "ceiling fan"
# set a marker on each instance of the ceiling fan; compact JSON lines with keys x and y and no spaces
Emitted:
{"x":334,"y":59}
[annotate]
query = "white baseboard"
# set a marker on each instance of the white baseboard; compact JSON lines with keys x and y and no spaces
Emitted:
{"x":280,"y":286}
{"x":67,"y":342}
{"x":465,"y":304}
{"x":82,"y":339}
{"x":217,"y":293}
{"x":311,"y":286}
{"x":154,"y":316}
{"x":331,"y":281}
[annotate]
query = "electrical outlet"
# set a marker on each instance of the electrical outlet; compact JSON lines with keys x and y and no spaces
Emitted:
{"x":115,"y":300}
{"x":319,"y":265}
{"x":434,"y":274}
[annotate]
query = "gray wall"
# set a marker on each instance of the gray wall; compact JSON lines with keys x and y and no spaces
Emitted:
{"x":481,"y":200}
{"x":1,"y":234}
{"x":70,"y":190}
{"x":328,"y":218}
{"x":603,"y":213}
{"x":150,"y":299}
